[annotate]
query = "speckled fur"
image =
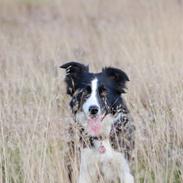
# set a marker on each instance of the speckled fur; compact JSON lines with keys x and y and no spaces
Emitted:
{"x":117,"y":127}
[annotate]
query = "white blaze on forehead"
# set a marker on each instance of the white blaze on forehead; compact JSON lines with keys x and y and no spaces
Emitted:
{"x":94,"y":85}
{"x":92,"y":100}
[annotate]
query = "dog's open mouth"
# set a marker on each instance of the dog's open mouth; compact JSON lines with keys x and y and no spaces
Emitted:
{"x":95,"y":125}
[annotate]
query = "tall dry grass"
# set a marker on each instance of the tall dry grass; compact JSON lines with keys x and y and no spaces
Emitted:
{"x":144,"y":38}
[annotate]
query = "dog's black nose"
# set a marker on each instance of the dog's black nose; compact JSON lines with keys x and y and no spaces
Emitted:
{"x":93,"y":109}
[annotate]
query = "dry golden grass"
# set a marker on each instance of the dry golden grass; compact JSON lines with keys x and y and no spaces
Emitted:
{"x":144,"y":38}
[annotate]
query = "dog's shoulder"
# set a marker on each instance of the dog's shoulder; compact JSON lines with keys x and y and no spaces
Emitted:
{"x":122,"y":135}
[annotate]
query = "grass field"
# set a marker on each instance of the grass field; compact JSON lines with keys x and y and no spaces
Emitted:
{"x":144,"y":38}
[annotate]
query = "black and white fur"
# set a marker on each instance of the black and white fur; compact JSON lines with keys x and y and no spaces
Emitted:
{"x":99,"y":94}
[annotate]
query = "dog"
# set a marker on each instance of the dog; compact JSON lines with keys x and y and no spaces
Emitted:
{"x":106,"y":130}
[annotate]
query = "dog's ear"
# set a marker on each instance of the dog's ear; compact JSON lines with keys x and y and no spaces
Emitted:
{"x":118,"y":77}
{"x":74,"y":73}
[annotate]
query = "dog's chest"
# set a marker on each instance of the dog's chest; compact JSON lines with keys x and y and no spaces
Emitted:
{"x":107,"y":163}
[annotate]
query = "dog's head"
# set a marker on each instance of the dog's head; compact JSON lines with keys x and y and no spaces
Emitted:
{"x":94,"y":94}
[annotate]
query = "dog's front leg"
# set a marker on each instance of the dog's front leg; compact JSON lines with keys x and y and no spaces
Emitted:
{"x":87,"y":168}
{"x":128,"y":178}
{"x":125,"y":175}
{"x":83,"y":175}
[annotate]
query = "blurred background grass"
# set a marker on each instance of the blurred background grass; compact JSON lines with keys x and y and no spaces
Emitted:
{"x":144,"y":38}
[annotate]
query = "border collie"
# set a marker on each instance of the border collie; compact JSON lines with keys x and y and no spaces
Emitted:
{"x":106,"y":131}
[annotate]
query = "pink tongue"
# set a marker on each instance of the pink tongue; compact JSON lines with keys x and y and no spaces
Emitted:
{"x":94,"y":126}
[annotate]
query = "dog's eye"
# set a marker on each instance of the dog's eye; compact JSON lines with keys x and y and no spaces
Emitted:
{"x":102,"y":91}
{"x":88,"y":89}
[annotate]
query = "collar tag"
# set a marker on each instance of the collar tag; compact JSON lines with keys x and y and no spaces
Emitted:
{"x":102,"y":149}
